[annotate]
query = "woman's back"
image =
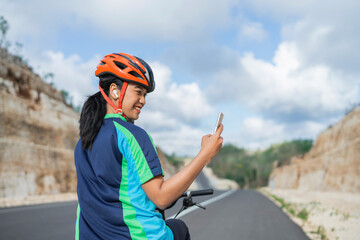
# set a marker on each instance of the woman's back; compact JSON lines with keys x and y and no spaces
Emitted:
{"x":111,"y":201}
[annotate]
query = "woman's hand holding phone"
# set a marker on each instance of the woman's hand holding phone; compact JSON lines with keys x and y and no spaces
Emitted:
{"x":211,"y":144}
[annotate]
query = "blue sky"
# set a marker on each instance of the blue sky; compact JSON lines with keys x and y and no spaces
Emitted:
{"x":279,"y":70}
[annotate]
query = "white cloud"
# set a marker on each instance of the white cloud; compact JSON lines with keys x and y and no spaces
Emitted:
{"x":311,"y":80}
{"x":187,"y":102}
{"x":174,"y":113}
{"x":71,"y":73}
{"x":288,"y":89}
{"x":282,"y":9}
{"x":289,"y":98}
{"x":326,"y":32}
{"x":327,"y":43}
{"x":258,"y":133}
{"x":28,"y":20}
{"x":158,"y":19}
{"x":252,"y":31}
{"x":183,"y":140}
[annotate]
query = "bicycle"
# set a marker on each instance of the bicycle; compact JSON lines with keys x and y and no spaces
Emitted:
{"x":188,"y":201}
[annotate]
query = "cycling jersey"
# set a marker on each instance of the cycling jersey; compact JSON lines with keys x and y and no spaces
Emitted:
{"x":112,"y":204}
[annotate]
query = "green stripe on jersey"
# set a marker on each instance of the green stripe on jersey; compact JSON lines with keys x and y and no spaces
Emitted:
{"x":77,"y":223}
{"x":142,"y":166}
{"x":129,"y":212}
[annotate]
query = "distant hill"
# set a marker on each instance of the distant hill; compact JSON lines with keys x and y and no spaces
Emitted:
{"x":252,"y":169}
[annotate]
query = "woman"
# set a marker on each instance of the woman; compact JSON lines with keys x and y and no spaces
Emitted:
{"x":120,"y":179}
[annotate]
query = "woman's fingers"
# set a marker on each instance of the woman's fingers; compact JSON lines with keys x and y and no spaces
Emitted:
{"x":219,"y":130}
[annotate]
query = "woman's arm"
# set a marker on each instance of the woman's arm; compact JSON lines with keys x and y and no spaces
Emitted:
{"x":162,"y":193}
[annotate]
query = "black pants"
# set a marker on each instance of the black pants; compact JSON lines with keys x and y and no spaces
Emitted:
{"x":179,"y":229}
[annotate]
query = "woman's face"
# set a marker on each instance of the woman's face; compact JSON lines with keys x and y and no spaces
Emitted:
{"x":134,"y":100}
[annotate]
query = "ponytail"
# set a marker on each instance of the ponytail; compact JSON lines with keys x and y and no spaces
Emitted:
{"x":91,"y":119}
{"x":93,"y":112}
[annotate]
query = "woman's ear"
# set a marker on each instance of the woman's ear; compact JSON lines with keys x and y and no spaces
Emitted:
{"x":114,"y":92}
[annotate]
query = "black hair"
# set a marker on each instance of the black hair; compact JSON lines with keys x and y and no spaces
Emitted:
{"x":94,"y":110}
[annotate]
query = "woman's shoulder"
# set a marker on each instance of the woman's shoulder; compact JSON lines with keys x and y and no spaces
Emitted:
{"x":128,"y":128}
{"x":134,"y":135}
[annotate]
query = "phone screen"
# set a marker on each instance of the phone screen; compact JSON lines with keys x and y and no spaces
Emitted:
{"x":219,"y":121}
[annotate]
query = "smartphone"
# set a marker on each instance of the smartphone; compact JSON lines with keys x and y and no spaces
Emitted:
{"x":219,"y":121}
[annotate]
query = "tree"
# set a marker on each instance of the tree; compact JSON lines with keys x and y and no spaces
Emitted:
{"x":49,"y":77}
{"x":68,"y":99}
{"x":4,"y":27}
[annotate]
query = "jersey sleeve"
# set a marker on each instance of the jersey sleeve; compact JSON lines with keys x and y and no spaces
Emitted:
{"x":138,"y":148}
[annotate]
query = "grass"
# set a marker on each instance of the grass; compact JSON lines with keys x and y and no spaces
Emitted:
{"x":291,"y":208}
{"x":303,"y":214}
{"x":346,"y":216}
{"x":321,"y":231}
{"x":334,"y":213}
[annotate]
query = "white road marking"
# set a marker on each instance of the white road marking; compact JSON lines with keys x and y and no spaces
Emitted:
{"x":205,"y":203}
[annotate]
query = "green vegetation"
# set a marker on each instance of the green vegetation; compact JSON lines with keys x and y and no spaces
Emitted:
{"x":68,"y":99}
{"x":321,"y":231}
{"x":4,"y":27}
{"x":6,"y":44}
{"x":174,"y":160}
{"x":252,"y":169}
{"x":290,"y":208}
{"x":283,"y":205}
{"x":293,"y":210}
{"x":346,"y":216}
{"x":351,"y":108}
{"x":303,"y":214}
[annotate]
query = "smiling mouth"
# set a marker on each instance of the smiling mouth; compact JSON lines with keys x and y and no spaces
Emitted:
{"x":138,"y":109}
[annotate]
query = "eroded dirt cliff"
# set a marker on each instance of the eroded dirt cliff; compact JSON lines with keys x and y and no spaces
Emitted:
{"x":38,"y":134}
{"x":333,"y":163}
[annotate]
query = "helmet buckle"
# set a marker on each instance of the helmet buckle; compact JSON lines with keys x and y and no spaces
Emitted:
{"x":119,"y":111}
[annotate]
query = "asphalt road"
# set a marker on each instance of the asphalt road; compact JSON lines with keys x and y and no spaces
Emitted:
{"x":241,"y":215}
{"x":244,"y":215}
{"x":47,"y":221}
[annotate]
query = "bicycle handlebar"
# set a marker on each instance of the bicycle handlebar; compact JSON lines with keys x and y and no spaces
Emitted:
{"x":196,"y":193}
{"x":187,"y":201}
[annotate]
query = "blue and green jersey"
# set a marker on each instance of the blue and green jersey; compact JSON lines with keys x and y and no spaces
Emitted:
{"x":112,"y":204}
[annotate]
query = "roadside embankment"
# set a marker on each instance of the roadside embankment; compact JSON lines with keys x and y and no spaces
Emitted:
{"x":322,"y":215}
{"x":39,"y":199}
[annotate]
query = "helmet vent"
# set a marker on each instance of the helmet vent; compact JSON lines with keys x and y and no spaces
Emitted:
{"x":135,"y":74}
{"x":120,"y":65}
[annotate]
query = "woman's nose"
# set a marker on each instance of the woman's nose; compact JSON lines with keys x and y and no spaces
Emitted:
{"x":142,"y":100}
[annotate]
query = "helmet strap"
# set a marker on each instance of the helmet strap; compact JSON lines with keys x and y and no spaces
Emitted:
{"x":121,"y":98}
{"x":118,"y":109}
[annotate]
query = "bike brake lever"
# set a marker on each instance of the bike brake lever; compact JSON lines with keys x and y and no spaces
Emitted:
{"x":198,"y":205}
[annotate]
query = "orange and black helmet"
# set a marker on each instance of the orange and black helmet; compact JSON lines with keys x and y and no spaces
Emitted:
{"x":128,"y":68}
